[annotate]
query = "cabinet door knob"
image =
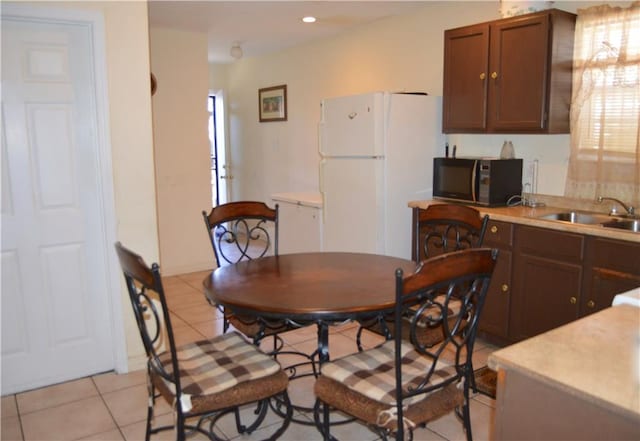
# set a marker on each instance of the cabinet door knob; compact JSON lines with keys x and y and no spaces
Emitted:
{"x":504,"y":287}
{"x":494,"y":229}
{"x":494,"y":75}
{"x":591,"y":304}
{"x":573,"y":300}
{"x":483,"y":76}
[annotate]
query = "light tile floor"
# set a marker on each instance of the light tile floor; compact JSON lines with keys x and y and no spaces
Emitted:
{"x":113,"y":407}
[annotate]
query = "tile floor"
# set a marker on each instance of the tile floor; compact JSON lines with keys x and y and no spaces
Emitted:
{"x":113,"y":407}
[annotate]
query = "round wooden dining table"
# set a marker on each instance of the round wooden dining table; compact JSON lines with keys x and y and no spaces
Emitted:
{"x":321,"y":288}
{"x":307,"y":288}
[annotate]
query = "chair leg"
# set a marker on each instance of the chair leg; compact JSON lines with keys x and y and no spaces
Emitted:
{"x":180,"y":426}
{"x":150,"y":402}
{"x":323,"y":423}
{"x":466,"y":414}
{"x":147,"y":435}
{"x":261,"y":412}
{"x":287,"y":418}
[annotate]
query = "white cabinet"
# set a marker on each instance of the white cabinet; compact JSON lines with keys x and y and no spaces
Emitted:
{"x":299,"y":222}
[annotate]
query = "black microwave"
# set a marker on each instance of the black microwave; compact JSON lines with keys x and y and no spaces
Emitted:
{"x":483,"y":181}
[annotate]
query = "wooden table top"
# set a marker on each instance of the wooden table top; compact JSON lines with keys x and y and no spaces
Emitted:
{"x":330,"y":286}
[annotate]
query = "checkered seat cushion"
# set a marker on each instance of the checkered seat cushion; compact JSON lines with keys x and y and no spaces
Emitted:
{"x":364,"y":385}
{"x":220,"y":370}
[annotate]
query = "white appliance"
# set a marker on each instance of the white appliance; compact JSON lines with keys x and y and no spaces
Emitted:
{"x":376,"y":154}
{"x":299,"y":222}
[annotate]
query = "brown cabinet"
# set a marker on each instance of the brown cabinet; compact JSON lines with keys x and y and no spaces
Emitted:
{"x":547,"y":280}
{"x":494,"y":321}
{"x":612,"y":267}
{"x":509,"y":76}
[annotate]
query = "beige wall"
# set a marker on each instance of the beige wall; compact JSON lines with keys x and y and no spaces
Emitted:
{"x":127,"y":59}
{"x":395,"y":54}
{"x":182,"y":155}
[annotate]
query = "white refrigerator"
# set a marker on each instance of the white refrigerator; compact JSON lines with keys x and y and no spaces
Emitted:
{"x":376,"y":154}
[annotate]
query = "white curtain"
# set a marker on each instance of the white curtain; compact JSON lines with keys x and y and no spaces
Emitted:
{"x":605,"y":107}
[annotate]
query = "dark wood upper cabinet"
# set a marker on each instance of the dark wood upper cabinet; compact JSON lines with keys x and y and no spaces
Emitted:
{"x":509,"y":76}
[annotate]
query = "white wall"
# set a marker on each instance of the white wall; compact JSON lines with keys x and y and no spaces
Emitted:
{"x":182,"y":152}
{"x":395,"y":54}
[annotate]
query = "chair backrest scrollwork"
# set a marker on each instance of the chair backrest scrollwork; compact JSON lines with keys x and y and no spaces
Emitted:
{"x":443,"y":228}
{"x":242,"y":230}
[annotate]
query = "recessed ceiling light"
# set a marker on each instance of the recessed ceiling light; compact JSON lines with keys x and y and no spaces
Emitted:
{"x":309,"y":19}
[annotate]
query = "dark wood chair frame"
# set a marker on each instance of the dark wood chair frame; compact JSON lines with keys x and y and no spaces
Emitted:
{"x":464,"y":275}
{"x":437,"y":229}
{"x":245,"y":224}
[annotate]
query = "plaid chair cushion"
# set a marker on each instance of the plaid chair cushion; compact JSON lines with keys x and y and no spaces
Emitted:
{"x":211,"y":366}
{"x":372,"y":374}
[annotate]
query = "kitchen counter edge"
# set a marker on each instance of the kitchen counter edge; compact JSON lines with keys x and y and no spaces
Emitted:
{"x":531,"y":216}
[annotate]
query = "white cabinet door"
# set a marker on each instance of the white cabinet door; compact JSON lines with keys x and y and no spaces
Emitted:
{"x":299,"y":228}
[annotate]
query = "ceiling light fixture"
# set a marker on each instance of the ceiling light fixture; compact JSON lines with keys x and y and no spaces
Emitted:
{"x":309,"y":19}
{"x":236,"y":51}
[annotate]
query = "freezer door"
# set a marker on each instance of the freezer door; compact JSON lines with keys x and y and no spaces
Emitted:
{"x":353,"y":216}
{"x":353,"y":126}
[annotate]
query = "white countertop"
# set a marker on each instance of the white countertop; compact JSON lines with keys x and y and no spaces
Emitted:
{"x":596,"y":358}
{"x":308,"y":198}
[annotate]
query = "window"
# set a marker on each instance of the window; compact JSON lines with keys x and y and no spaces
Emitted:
{"x":605,"y":109}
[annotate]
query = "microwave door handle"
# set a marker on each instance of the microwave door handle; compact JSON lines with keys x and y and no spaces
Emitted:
{"x":473,"y":181}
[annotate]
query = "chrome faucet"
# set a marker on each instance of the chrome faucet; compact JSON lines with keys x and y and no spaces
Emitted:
{"x":628,"y":208}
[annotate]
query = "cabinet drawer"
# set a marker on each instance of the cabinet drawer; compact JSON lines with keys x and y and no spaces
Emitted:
{"x":498,"y":234}
{"x":616,"y":255}
{"x":549,"y":244}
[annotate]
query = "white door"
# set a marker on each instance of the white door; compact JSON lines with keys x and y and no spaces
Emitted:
{"x":56,"y":309}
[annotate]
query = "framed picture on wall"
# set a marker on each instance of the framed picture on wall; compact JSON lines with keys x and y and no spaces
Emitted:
{"x":272,"y":103}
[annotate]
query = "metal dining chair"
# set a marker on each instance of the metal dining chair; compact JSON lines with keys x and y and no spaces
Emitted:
{"x":403,"y":384}
{"x":437,"y":229}
{"x":239,"y":231}
{"x":202,"y":380}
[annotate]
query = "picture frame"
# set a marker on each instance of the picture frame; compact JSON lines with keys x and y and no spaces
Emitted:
{"x":272,"y":103}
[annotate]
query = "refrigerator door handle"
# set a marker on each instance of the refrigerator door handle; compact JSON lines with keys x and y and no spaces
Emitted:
{"x":322,"y":192}
{"x":474,"y":197}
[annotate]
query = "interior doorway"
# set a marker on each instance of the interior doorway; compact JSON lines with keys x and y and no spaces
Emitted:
{"x":220,"y":168}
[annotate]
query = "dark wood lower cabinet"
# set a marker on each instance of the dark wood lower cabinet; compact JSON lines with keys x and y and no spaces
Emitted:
{"x":546,"y":278}
{"x":494,"y":321}
{"x":555,"y":277}
{"x":613,"y":266}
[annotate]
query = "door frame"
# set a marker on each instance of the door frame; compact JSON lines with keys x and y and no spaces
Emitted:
{"x":95,"y":20}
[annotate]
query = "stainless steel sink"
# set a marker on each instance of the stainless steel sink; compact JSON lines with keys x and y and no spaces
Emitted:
{"x":576,"y":217}
{"x":628,"y":225}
